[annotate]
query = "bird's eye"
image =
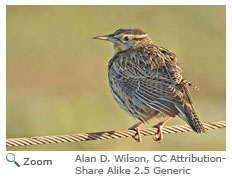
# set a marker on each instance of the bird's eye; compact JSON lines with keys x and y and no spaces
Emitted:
{"x":126,"y":38}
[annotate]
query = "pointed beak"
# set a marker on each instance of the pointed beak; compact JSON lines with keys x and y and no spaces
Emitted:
{"x":109,"y":37}
{"x":104,"y":37}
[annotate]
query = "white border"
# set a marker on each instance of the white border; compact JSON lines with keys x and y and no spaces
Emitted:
{"x":65,"y":171}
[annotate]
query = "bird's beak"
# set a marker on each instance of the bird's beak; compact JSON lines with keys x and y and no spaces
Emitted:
{"x":109,"y":37}
{"x":104,"y":37}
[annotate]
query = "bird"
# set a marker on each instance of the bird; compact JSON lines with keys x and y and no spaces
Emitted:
{"x":146,"y":81}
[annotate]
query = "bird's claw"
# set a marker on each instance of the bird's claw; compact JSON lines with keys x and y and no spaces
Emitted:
{"x":158,"y":138}
{"x":159,"y":135}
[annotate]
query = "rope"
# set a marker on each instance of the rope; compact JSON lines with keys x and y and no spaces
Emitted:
{"x":106,"y":135}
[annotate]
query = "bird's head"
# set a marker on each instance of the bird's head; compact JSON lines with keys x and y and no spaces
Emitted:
{"x":126,"y":38}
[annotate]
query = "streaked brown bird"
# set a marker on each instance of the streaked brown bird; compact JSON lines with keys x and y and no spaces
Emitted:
{"x":146,"y":81}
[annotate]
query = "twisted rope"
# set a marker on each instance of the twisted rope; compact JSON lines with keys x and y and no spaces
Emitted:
{"x":106,"y":135}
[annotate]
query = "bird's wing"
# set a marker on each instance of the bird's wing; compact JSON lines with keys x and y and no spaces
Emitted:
{"x":154,"y":93}
{"x":166,"y":60}
{"x":152,"y":86}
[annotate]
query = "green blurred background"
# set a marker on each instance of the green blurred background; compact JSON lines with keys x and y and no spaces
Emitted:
{"x":57,"y":75}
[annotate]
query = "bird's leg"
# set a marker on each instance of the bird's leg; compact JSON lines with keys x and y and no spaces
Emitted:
{"x":137,"y":136}
{"x":159,"y":126}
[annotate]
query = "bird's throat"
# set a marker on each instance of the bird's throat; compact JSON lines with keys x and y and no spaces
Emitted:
{"x":116,"y":48}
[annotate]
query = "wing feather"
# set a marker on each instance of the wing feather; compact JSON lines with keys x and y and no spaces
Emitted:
{"x":149,"y":85}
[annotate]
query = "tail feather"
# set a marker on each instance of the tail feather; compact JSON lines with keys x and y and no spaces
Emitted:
{"x":188,"y":113}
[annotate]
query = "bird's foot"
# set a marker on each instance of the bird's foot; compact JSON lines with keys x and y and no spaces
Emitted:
{"x":159,"y":135}
{"x":137,"y":136}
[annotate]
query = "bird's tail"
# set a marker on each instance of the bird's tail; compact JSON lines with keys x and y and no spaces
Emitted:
{"x":188,"y":113}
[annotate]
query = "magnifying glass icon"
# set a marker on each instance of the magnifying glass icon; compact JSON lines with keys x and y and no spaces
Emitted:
{"x":10,"y":157}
